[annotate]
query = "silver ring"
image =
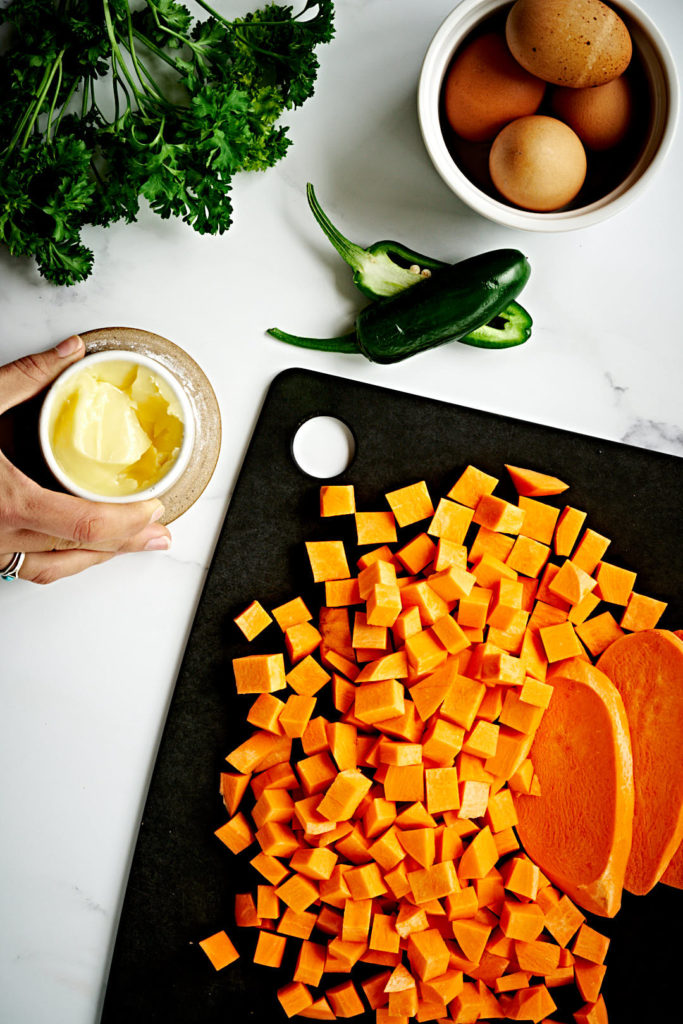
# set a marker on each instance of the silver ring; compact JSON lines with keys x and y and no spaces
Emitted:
{"x":11,"y":572}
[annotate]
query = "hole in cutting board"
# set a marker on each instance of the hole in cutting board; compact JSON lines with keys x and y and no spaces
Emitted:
{"x":323,"y":446}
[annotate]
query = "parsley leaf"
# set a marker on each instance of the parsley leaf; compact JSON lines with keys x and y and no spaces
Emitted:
{"x":104,"y":107}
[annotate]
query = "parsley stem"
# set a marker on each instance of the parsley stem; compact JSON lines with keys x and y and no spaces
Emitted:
{"x":93,"y":100}
{"x":50,"y":115}
{"x":116,"y":55}
{"x":144,"y":73}
{"x":140,"y":68}
{"x":159,"y":135}
{"x":33,"y":109}
{"x":41,"y":98}
{"x":65,"y":104}
{"x":119,"y":84}
{"x":86,"y":96}
{"x":156,"y":50}
{"x":213,"y":13}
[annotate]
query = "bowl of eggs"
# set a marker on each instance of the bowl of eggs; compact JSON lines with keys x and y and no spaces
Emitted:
{"x":547,"y":115}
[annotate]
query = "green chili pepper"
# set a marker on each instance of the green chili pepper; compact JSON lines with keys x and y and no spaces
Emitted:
{"x":387,"y":268}
{"x":384,"y":268}
{"x":448,"y":306}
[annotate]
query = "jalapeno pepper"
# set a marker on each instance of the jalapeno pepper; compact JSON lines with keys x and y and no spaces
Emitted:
{"x":384,"y":268}
{"x":387,"y":267}
{"x":451,"y":304}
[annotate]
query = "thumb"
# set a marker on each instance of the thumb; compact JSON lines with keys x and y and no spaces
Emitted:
{"x":29,"y":375}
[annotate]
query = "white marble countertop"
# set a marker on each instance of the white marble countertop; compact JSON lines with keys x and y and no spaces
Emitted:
{"x":88,"y":665}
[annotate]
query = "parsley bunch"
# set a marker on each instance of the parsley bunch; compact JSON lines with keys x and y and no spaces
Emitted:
{"x":102,"y":105}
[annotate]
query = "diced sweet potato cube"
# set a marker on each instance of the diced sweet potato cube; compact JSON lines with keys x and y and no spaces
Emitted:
{"x":410,"y":504}
{"x":219,"y":949}
{"x":259,"y":673}
{"x":337,"y":500}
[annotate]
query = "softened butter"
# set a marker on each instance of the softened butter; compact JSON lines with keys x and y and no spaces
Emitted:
{"x":116,"y":429}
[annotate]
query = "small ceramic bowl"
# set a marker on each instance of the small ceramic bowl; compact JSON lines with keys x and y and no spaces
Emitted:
{"x":463,"y":166}
{"x":54,"y":395}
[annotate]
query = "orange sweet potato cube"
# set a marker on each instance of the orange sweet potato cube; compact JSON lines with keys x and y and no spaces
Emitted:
{"x":384,"y":936}
{"x":642,"y":612}
{"x":301,"y":640}
{"x":259,"y":673}
{"x":567,"y":530}
{"x":379,"y":702}
{"x":560,"y":641}
{"x":291,"y":612}
{"x":310,"y":965}
{"x":344,"y":1000}
{"x":384,"y":605}
{"x":337,"y":500}
{"x":571,"y":583}
{"x":404,"y":783}
{"x":590,"y":550}
{"x":375,"y":527}
{"x":539,"y":519}
{"x":233,"y":787}
{"x":236,"y":833}
{"x":253,"y":620}
{"x":614,"y":584}
{"x":417,"y":554}
{"x":528,"y":556}
{"x":328,"y":560}
{"x":590,"y":945}
{"x":448,"y":553}
{"x":498,"y":515}
{"x":344,"y":795}
{"x":473,"y":609}
{"x":294,"y":998}
{"x":428,"y":954}
{"x":598,"y":632}
{"x":410,"y":504}
{"x":219,"y":949}
{"x":451,"y":520}
{"x":471,"y":485}
{"x":270,"y":949}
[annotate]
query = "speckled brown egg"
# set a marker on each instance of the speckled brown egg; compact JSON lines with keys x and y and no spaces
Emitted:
{"x":538,"y":163}
{"x":486,"y":88}
{"x":574,"y":43}
{"x":599,"y":116}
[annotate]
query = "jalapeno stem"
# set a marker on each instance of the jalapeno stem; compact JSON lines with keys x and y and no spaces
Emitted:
{"x":345,"y":343}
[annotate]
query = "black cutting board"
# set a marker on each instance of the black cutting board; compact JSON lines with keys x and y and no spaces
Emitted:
{"x":183,"y":880}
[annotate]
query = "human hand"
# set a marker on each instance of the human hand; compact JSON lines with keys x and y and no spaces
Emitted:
{"x":62,"y":534}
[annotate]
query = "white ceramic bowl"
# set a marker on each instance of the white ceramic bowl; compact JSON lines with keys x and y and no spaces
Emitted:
{"x":119,"y":355}
{"x":656,"y":62}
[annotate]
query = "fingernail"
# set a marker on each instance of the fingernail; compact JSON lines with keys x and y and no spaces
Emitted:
{"x":70,"y":346}
{"x":157,"y":513}
{"x":158,"y":544}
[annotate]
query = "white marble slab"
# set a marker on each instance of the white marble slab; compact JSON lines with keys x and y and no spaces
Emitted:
{"x":87,"y":667}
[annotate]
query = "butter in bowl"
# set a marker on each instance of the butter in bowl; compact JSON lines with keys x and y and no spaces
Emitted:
{"x":117,"y":426}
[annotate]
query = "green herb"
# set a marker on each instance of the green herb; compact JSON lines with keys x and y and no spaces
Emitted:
{"x":102,"y":106}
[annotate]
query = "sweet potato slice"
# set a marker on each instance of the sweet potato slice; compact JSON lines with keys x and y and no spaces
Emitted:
{"x":673,"y":875}
{"x":533,"y":484}
{"x":578,"y":830}
{"x":647,"y":669}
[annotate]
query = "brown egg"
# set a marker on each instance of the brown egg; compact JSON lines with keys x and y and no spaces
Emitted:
{"x":599,"y":116}
{"x":538,"y":163}
{"x":486,"y":87}
{"x":576,"y":43}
